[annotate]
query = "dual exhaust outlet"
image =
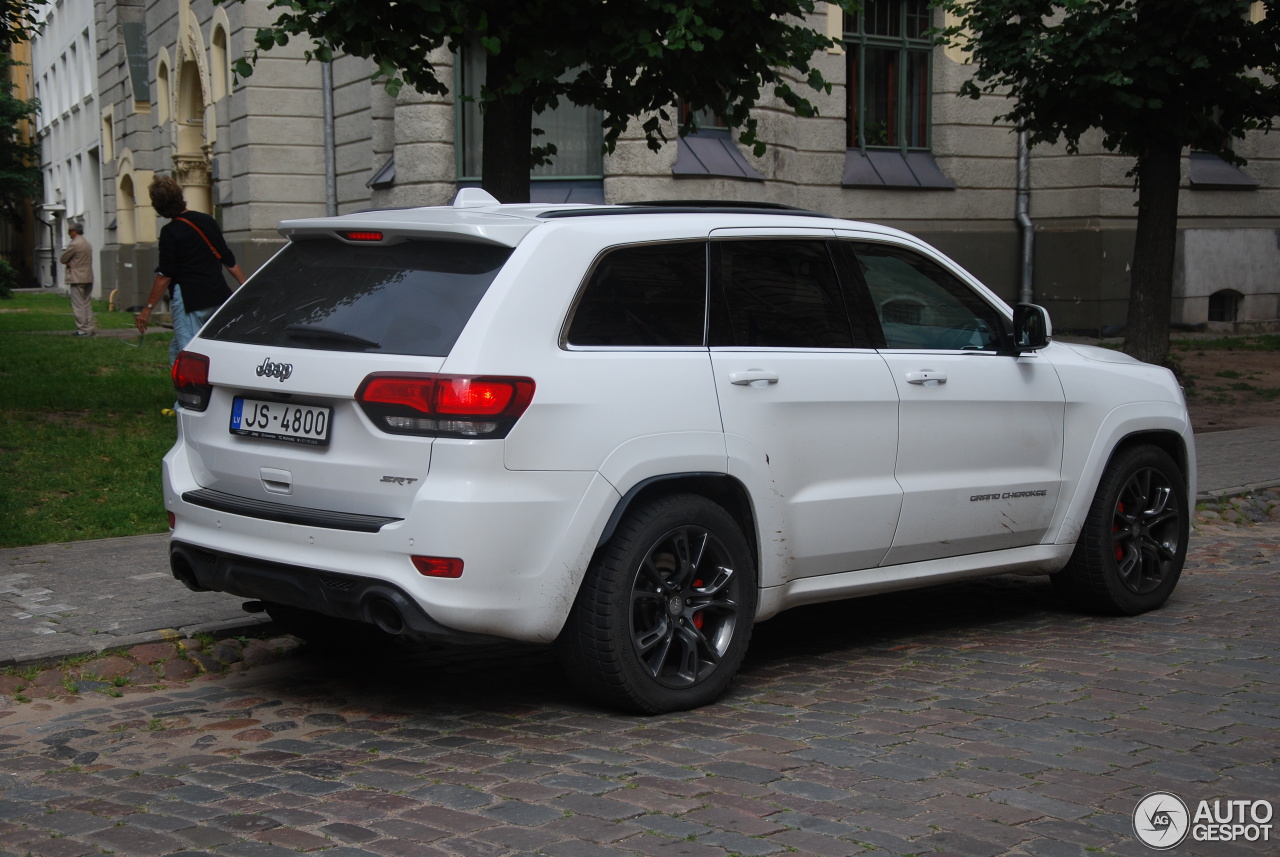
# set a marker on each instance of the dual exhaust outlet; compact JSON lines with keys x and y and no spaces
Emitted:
{"x":378,"y":611}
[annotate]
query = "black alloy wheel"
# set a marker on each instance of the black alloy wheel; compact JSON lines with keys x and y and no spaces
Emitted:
{"x":685,"y":599}
{"x":662,"y":620}
{"x":1146,"y":530}
{"x":1133,"y":544}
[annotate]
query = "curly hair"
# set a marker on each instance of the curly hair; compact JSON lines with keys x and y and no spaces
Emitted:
{"x":166,"y":197}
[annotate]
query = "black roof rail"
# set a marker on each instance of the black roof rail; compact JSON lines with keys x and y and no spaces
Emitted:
{"x":684,"y":206}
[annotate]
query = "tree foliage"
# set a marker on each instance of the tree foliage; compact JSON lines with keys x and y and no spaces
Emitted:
{"x":19,"y":154}
{"x":628,"y":58}
{"x":1155,"y":76}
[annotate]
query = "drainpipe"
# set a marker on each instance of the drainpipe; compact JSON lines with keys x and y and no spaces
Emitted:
{"x":1026,"y":227}
{"x":330,"y":157}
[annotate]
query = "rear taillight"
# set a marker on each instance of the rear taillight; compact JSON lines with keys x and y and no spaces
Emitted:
{"x":470,"y":406}
{"x":191,"y":380}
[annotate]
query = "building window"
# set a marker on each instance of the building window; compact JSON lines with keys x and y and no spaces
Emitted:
{"x":575,"y":131}
{"x":703,"y":120}
{"x":889,"y":57}
{"x":218,"y":65}
{"x":162,"y":91}
{"x":1225,"y":305}
{"x":126,"y":231}
{"x":108,"y":137}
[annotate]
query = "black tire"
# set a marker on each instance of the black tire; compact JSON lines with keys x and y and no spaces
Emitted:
{"x":1134,"y":541}
{"x":665,"y":613}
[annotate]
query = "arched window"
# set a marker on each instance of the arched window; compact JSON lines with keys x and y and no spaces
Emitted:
{"x":108,"y":146}
{"x":162,"y":91}
{"x":126,"y":231}
{"x":218,"y":68}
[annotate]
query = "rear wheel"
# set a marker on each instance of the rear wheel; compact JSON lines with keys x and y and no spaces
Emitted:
{"x":1134,"y":541}
{"x":662,"y":620}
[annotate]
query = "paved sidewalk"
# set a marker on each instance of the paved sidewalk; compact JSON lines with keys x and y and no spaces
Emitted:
{"x":61,"y":600}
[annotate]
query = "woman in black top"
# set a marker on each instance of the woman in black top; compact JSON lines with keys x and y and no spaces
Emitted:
{"x":192,"y":256}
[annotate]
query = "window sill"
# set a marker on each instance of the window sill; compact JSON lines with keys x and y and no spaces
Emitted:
{"x":712,"y":154}
{"x":1209,"y":172}
{"x":385,"y":177}
{"x":887,"y":168}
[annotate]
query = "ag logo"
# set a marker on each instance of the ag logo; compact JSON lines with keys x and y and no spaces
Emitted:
{"x":1160,"y":820}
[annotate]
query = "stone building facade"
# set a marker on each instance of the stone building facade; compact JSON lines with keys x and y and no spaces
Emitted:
{"x":892,"y":144}
{"x":64,"y":75}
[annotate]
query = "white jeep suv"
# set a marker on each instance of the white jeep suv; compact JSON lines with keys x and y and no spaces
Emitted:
{"x":635,"y":431}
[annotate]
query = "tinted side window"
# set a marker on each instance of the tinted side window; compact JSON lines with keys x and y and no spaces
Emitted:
{"x":777,"y":293}
{"x":922,"y":305}
{"x":652,"y":294}
{"x":409,"y":298}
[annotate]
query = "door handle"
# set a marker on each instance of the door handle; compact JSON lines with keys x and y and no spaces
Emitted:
{"x":753,"y":378}
{"x":927,"y":378}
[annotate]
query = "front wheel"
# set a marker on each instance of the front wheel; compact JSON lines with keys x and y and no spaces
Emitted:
{"x":1134,"y":540}
{"x":662,"y":620}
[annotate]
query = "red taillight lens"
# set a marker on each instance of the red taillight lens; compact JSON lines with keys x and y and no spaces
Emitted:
{"x":482,"y":396}
{"x":362,"y":236}
{"x":191,"y":380}
{"x":469,"y":406}
{"x":410,"y":391}
{"x":437,"y":566}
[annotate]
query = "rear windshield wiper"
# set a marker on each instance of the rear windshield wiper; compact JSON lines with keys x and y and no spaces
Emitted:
{"x":310,"y":331}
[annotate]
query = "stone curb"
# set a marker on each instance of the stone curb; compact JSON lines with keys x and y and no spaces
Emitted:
{"x":82,"y":646}
{"x":1237,"y":491}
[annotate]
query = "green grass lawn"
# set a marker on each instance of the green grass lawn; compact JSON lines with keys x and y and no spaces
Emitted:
{"x":81,"y":428}
{"x":41,"y":312}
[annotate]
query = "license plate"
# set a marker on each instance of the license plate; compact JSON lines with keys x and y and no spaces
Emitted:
{"x":281,"y":421}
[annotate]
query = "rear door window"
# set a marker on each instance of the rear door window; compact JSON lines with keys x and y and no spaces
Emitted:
{"x":408,"y":298}
{"x":777,"y":294}
{"x":647,"y":295}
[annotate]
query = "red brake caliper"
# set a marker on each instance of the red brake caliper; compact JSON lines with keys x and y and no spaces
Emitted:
{"x":1114,"y":528}
{"x":697,"y":617}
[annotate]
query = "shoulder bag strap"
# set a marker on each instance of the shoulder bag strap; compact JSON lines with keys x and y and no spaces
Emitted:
{"x":199,"y":232}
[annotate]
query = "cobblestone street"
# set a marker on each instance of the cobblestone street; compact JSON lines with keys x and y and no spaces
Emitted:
{"x":972,"y":719}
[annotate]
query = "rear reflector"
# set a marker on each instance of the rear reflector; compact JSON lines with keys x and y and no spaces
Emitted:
{"x":437,"y":566}
{"x":191,"y":380}
{"x":467,"y":406}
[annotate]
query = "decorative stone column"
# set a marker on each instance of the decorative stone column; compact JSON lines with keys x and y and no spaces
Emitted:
{"x":194,"y":171}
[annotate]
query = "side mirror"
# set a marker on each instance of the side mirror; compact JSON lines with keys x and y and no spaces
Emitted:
{"x":1032,"y":329}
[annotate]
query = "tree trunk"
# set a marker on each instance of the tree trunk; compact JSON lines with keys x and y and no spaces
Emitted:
{"x":508,"y":135}
{"x":1151,"y":274}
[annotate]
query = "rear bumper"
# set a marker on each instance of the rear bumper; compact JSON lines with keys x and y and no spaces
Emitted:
{"x":345,"y":596}
{"x":525,"y":539}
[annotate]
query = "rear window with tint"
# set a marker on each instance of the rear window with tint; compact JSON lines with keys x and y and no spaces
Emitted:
{"x":408,"y":298}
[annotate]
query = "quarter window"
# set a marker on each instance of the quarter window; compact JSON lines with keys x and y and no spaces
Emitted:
{"x":649,"y":295}
{"x":921,"y":305}
{"x":777,"y":294}
{"x":888,"y":55}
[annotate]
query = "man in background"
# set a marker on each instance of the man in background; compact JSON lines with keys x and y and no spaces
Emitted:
{"x":78,"y":257}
